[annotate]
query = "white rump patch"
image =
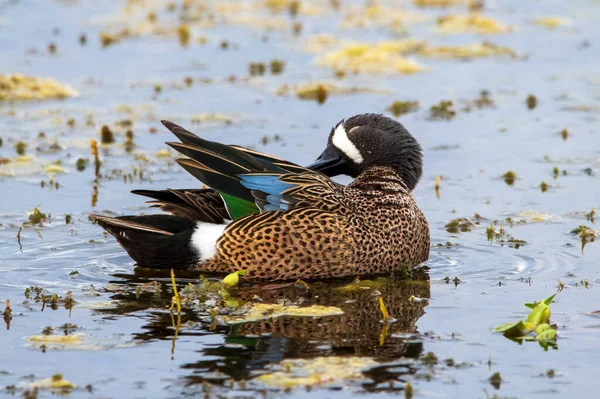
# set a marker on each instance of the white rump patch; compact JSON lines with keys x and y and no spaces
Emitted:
{"x":204,"y":238}
{"x":343,"y":143}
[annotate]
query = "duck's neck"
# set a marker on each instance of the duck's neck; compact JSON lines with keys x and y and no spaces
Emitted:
{"x":382,"y":179}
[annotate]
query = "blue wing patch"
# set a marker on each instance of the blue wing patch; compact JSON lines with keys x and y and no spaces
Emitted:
{"x":270,"y":185}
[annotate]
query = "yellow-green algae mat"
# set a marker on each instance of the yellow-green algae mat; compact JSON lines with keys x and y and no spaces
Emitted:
{"x":18,"y":87}
{"x":317,"y":371}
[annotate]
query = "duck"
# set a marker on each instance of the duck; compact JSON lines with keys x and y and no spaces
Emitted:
{"x":279,"y":221}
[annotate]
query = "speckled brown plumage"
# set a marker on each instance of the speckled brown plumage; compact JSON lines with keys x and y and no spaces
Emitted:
{"x":371,"y":226}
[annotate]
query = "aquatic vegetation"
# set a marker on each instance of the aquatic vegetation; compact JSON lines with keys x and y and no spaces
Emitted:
{"x":467,"y":51}
{"x":495,"y":380}
{"x":383,"y":57}
{"x":399,"y":108}
{"x":257,"y":68}
{"x":378,"y":15}
{"x":56,"y":382}
{"x":19,"y":87}
{"x":544,"y":186}
{"x":535,"y":327}
{"x":264,"y":311}
{"x":277,"y":67}
{"x":442,"y":111}
{"x":510,"y":177}
{"x":106,"y":135}
{"x":212,"y":118}
{"x":483,"y":101}
{"x":232,"y":279}
{"x":36,"y":216}
{"x":531,"y":101}
{"x":184,"y":35}
{"x":461,"y":225}
{"x":317,"y":371}
{"x":564,"y":134}
{"x":474,"y":23}
{"x":437,"y":3}
{"x":553,"y":22}
{"x":320,"y":91}
{"x":585,"y":234}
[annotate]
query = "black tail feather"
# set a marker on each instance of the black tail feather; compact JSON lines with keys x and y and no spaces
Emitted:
{"x":153,"y":241}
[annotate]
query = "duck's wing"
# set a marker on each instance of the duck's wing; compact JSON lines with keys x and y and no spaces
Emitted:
{"x":286,"y":191}
{"x":203,"y":205}
{"x":219,"y":166}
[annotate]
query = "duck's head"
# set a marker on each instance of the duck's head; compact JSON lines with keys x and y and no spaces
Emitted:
{"x":367,"y":140}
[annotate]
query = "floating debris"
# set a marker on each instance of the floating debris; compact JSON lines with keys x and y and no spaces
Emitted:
{"x":184,"y":35}
{"x":108,"y":39}
{"x":553,"y":22}
{"x":384,"y":57}
{"x":20,"y":147}
{"x":60,"y":341}
{"x":544,"y":186}
{"x":442,"y":111}
{"x":317,"y":371}
{"x":467,"y":51}
{"x":564,"y":134}
{"x":473,"y":23}
{"x":36,"y":216}
{"x":438,"y":3}
{"x":399,"y":108}
{"x":496,"y":380}
{"x":531,"y":101}
{"x":510,"y":177}
{"x":56,"y":382}
{"x":320,"y":91}
{"x":277,"y":66}
{"x":232,"y":279}
{"x":18,"y":87}
{"x":257,"y":68}
{"x":106,"y":135}
{"x":461,"y":225}
{"x":265,"y":311}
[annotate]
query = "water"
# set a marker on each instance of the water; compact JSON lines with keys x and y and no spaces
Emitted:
{"x":127,"y":350}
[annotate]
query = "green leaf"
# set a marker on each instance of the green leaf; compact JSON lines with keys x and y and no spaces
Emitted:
{"x":547,"y":335}
{"x":541,"y":328}
{"x":232,"y":279}
{"x":518,"y":329}
{"x":546,"y":301}
{"x":237,"y":207}
{"x":540,"y":314}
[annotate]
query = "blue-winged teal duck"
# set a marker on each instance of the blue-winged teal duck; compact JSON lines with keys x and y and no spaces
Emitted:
{"x":280,"y":221}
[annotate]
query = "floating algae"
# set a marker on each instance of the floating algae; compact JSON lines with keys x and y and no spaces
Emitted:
{"x":399,"y":108}
{"x":553,"y":22}
{"x":265,"y":311}
{"x":18,"y":87}
{"x":467,"y":51}
{"x":470,"y":23}
{"x":317,"y":371}
{"x":384,"y":57}
{"x":56,"y":382}
{"x":319,"y":91}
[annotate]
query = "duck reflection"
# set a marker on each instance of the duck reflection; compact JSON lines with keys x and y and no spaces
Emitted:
{"x":250,"y":346}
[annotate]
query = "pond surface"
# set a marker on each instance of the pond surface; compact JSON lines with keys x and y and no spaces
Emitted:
{"x":190,"y":63}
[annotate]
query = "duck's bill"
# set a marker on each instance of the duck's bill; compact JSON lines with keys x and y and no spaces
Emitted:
{"x":329,"y":163}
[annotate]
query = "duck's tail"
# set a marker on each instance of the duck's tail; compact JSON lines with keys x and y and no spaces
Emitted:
{"x":154,"y":241}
